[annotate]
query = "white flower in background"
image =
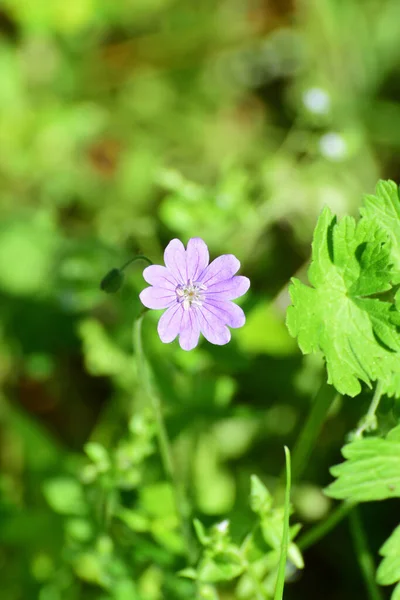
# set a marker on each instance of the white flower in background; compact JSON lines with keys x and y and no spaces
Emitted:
{"x":223,"y":526}
{"x":317,"y":101}
{"x":333,"y":146}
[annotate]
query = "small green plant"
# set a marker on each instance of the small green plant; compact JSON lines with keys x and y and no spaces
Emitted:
{"x":350,"y":315}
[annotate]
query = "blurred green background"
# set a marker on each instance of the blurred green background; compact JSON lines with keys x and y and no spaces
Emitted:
{"x":124,"y":124}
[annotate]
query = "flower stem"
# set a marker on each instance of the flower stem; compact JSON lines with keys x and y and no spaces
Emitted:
{"x":306,"y":440}
{"x":114,"y":279}
{"x":280,"y":581}
{"x":162,"y":435}
{"x":318,"y":532}
{"x":137,"y":257}
{"x":364,"y":555}
{"x":369,"y":422}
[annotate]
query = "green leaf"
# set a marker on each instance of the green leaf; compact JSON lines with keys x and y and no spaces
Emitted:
{"x":384,"y":210}
{"x":102,"y":354}
{"x":157,"y":499}
{"x":98,"y":454}
{"x":260,"y":498}
{"x":371,"y":471}
{"x":356,"y":333}
{"x":203,"y":538}
{"x":27,"y":250}
{"x":134,"y":519}
{"x":224,"y":566}
{"x":79,"y":529}
{"x":388,"y":571}
{"x":65,"y":496}
{"x":189,"y":572}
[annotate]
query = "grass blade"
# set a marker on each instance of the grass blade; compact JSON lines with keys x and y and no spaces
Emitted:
{"x":280,"y":582}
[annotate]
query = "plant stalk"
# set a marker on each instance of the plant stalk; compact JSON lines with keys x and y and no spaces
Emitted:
{"x":364,"y":556}
{"x":162,"y":436}
{"x":369,"y":422}
{"x":319,"y":531}
{"x":312,"y":427}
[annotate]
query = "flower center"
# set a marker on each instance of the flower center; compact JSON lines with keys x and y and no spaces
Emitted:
{"x":191,"y":293}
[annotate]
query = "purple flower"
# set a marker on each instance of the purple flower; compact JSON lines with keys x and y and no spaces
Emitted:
{"x":197,"y":295}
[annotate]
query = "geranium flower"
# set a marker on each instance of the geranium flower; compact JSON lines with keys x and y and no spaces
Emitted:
{"x":197,"y":295}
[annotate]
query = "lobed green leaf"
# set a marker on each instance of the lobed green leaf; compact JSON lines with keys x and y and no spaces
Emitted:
{"x":371,"y":471}
{"x":388,"y":571}
{"x":341,"y":315}
{"x":383,"y":209}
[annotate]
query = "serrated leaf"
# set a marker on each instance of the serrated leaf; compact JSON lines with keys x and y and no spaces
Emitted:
{"x":383,"y":209}
{"x":371,"y":471}
{"x":357,"y":334}
{"x":388,"y":571}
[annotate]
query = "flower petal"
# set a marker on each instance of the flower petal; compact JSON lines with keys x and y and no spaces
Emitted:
{"x":227,"y":312}
{"x":190,"y":330}
{"x":170,"y":323}
{"x":156,"y":298}
{"x":223,"y":267}
{"x":160,"y":277}
{"x":212,"y":327}
{"x":197,"y":258}
{"x":175,"y":260}
{"x":229,"y":289}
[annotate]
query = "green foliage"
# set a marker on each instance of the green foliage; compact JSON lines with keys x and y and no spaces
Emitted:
{"x":371,"y":470}
{"x":389,"y":569}
{"x":65,"y":496}
{"x":384,"y":210}
{"x":92,"y":503}
{"x":123,"y":125}
{"x":252,"y":564}
{"x":280,"y":580}
{"x":338,"y":315}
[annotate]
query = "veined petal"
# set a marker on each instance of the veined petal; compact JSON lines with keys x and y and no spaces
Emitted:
{"x":169,"y":325}
{"x":229,"y":289}
{"x":175,"y":260}
{"x":212,"y":327}
{"x":160,"y":277}
{"x":190,"y":330}
{"x":223,"y":267}
{"x":153,"y":297}
{"x":229,"y":313}
{"x":197,"y":258}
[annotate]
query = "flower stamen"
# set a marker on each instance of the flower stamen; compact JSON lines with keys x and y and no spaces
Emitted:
{"x":190,"y":294}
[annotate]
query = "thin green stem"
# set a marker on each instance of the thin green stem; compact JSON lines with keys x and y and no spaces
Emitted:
{"x":114,"y":279}
{"x":280,"y":581}
{"x":145,"y":380}
{"x":322,"y":529}
{"x":364,"y":556}
{"x":369,"y":422}
{"x":311,"y":429}
{"x":135,"y":258}
{"x":301,"y":455}
{"x":162,"y":435}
